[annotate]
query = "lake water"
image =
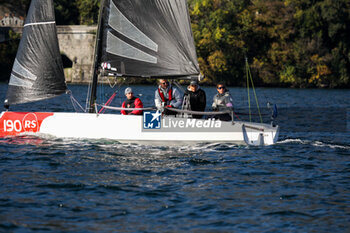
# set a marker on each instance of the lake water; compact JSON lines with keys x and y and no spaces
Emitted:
{"x":301,"y":184}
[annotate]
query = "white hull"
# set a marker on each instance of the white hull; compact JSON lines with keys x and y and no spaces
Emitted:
{"x":129,"y":129}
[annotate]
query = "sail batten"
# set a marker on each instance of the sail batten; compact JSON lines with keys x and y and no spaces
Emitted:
{"x":18,"y":68}
{"x":148,"y":38}
{"x":40,"y":23}
{"x":37,"y":73}
{"x":15,"y":80}
{"x":120,"y":48}
{"x":121,"y":24}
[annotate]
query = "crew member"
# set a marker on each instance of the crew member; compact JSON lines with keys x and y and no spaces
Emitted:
{"x":195,"y":99}
{"x":222,"y":101}
{"x":131,"y":102}
{"x":167,"y":96}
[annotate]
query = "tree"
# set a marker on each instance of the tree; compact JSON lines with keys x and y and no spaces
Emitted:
{"x":66,"y":12}
{"x":299,"y":43}
{"x":218,"y":39}
{"x":8,"y":52}
{"x":321,"y":43}
{"x":88,"y":11}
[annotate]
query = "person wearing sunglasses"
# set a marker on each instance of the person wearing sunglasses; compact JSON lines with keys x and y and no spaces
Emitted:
{"x":195,"y":99}
{"x":222,"y":101}
{"x":167,"y":96}
{"x":131,"y":102}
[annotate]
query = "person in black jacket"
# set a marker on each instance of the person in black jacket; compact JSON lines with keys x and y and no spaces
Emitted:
{"x":194,"y":99}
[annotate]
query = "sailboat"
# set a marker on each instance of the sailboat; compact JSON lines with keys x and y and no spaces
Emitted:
{"x":135,"y":38}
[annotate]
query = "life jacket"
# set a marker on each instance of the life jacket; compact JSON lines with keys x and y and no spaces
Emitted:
{"x":161,"y":94}
{"x":130,"y":104}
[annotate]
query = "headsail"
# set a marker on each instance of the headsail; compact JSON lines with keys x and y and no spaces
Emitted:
{"x":148,"y":38}
{"x":37,"y":72}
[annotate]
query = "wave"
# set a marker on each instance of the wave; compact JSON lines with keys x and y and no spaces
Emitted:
{"x":112,"y":145}
{"x":313,"y":143}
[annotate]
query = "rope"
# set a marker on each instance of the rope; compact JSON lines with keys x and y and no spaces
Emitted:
{"x":249,"y":75}
{"x":108,"y":102}
{"x":171,"y":109}
{"x":246,"y":71}
{"x":131,"y":109}
{"x":198,"y":112}
{"x":235,"y":115}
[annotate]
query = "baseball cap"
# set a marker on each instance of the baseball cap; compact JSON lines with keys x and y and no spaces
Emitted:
{"x":128,"y":90}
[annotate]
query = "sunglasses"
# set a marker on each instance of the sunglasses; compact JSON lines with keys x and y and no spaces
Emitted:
{"x":164,"y":83}
{"x":221,"y":88}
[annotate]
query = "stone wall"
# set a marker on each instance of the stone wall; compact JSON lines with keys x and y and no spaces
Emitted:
{"x":78,"y":44}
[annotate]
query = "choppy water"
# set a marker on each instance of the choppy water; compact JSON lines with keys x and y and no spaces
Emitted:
{"x":301,"y":184}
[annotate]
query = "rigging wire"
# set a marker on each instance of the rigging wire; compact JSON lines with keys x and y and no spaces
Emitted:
{"x":75,"y":103}
{"x":101,"y":92}
{"x":178,"y":86}
{"x":110,"y":84}
{"x":247,"y":73}
{"x":109,"y":101}
{"x":87,"y":96}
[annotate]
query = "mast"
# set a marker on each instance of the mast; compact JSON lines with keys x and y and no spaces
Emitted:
{"x":92,"y":99}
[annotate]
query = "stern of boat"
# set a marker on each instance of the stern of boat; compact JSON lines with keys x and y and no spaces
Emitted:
{"x":260,"y":134}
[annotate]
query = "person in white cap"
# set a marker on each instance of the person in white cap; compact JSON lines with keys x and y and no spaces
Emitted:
{"x":195,"y":98}
{"x":131,"y":102}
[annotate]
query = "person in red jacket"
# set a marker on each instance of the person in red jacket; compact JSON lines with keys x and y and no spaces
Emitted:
{"x":131,"y":102}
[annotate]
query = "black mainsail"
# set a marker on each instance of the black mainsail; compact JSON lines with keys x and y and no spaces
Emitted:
{"x":148,"y":38}
{"x":37,"y":72}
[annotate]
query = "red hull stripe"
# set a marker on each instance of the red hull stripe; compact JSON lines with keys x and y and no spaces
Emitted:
{"x":15,"y":123}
